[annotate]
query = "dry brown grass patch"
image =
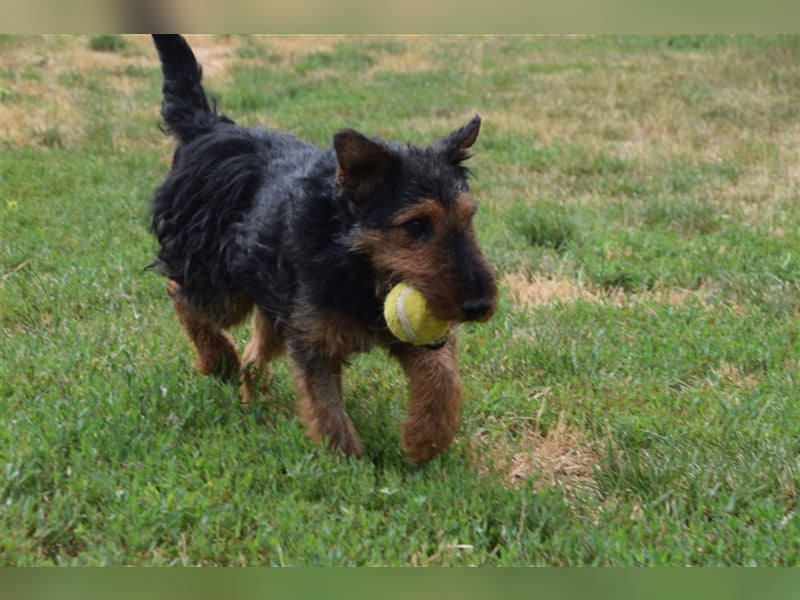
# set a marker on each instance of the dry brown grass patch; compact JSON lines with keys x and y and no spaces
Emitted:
{"x":415,"y":57}
{"x":532,"y":290}
{"x":299,"y":45}
{"x":731,"y":374}
{"x":536,"y":290}
{"x":562,"y":457}
{"x":42,"y":103}
{"x":26,"y":123}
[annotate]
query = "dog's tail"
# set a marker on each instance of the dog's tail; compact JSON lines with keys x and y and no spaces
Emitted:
{"x":185,"y":108}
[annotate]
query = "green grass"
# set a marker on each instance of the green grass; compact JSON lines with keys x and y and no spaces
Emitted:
{"x":648,"y":415}
{"x":107,"y":43}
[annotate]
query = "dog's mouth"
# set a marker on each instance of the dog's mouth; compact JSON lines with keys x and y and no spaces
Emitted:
{"x":477,"y":309}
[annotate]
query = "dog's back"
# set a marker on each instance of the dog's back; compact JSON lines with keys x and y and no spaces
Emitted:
{"x":224,"y":178}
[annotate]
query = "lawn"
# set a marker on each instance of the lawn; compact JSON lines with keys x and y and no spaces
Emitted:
{"x":634,"y":401}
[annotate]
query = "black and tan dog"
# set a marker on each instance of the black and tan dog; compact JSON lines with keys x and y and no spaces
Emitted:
{"x":311,"y":241}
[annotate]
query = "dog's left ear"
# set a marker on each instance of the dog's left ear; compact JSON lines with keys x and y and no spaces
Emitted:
{"x":361,"y":163}
{"x":456,"y":144}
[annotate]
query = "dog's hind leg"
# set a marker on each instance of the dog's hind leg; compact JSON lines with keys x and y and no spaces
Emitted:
{"x":216,"y":352}
{"x":262,"y":347}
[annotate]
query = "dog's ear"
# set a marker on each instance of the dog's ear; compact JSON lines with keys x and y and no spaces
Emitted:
{"x":361,"y":163}
{"x":455,"y":145}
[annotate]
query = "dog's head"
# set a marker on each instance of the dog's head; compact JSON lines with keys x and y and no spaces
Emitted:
{"x":414,"y":218}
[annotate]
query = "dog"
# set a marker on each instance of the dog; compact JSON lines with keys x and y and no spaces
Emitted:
{"x":310,"y":241}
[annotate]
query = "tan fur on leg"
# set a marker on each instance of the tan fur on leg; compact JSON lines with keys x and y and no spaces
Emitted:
{"x":216,"y":352}
{"x":435,"y":398}
{"x":262,"y":347}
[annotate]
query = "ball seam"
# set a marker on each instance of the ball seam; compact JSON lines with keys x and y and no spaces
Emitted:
{"x":401,"y":315}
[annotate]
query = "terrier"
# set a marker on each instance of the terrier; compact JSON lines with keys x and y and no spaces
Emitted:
{"x":310,"y":240}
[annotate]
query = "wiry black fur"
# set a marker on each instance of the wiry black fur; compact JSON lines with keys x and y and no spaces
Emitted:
{"x":258,"y":211}
{"x":261,"y":215}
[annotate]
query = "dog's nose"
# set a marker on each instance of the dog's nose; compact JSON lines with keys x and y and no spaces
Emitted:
{"x":474,"y":310}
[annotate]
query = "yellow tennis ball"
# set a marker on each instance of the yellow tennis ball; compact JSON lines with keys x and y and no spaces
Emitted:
{"x":410,"y":318}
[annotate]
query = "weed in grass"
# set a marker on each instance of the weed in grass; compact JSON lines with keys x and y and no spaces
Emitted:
{"x":107,"y":43}
{"x":51,"y":137}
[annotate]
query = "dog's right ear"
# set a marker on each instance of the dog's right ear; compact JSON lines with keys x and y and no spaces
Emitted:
{"x":455,"y":145}
{"x":361,"y":164}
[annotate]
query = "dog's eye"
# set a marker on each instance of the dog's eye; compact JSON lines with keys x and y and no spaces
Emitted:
{"x":418,"y":229}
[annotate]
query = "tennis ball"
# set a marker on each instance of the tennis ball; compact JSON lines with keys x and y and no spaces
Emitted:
{"x":410,"y":318}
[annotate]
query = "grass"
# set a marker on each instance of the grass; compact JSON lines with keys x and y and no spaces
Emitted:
{"x":633,"y":402}
{"x":107,"y":43}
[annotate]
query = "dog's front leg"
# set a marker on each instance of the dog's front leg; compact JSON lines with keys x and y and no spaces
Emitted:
{"x":319,"y":384}
{"x":435,"y":398}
